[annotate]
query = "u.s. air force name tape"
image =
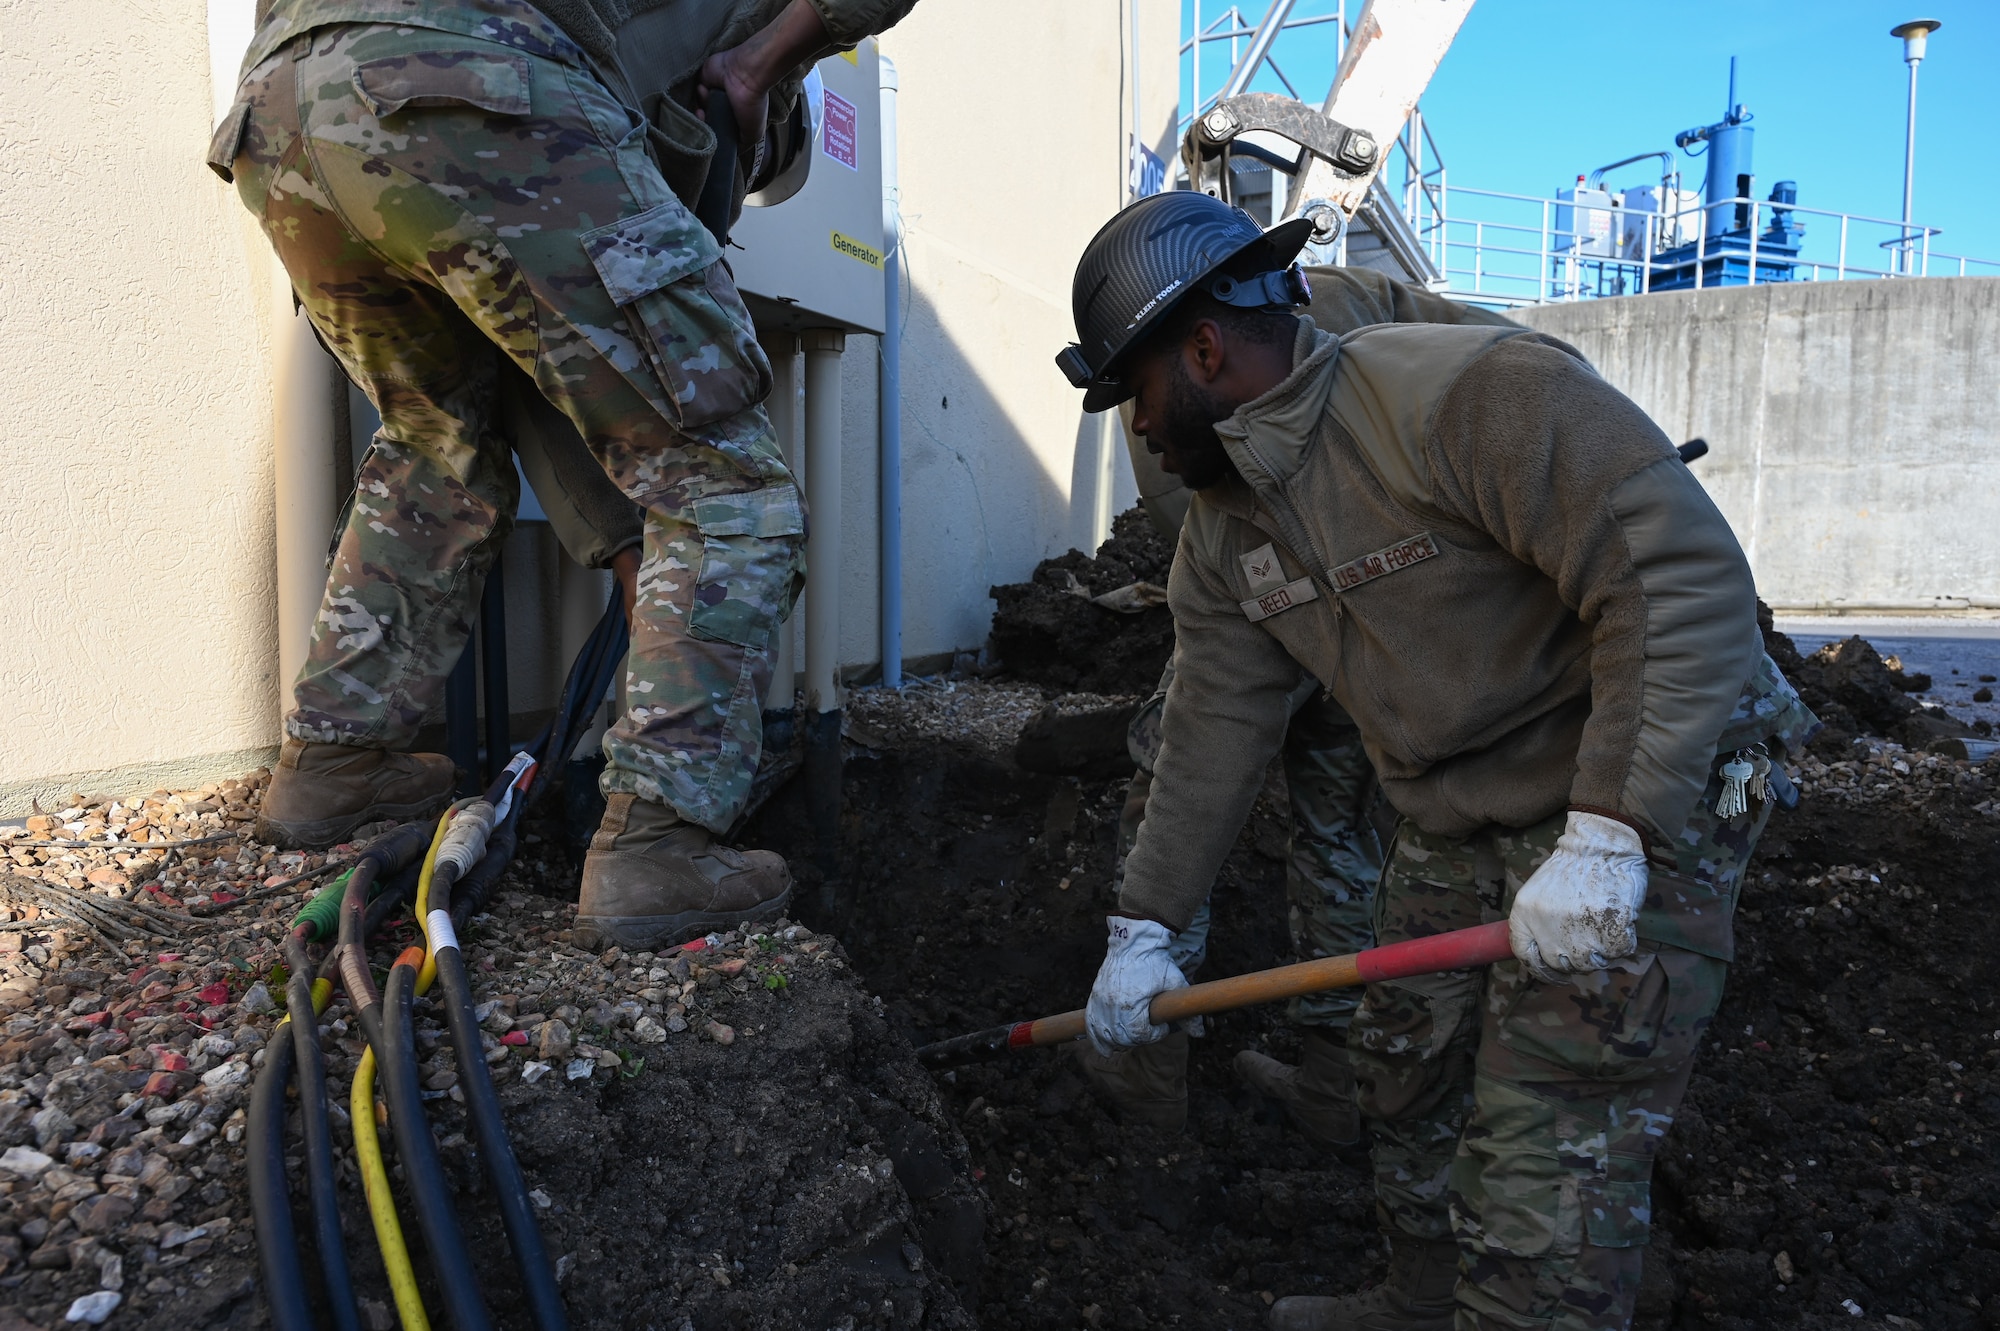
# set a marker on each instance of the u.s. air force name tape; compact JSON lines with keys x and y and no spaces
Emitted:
{"x":1389,"y":559}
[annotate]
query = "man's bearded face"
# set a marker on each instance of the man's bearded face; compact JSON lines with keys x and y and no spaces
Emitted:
{"x":1180,"y":417}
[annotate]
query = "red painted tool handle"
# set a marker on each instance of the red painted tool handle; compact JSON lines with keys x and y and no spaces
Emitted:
{"x":1461,"y":949}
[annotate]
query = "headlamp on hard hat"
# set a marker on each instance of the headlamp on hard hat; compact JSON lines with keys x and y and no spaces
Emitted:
{"x":1281,"y":290}
{"x":1267,"y":290}
{"x":1074,"y":367}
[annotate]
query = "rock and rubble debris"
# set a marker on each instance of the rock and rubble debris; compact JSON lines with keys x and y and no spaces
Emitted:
{"x":1855,"y":691}
{"x":990,"y":714}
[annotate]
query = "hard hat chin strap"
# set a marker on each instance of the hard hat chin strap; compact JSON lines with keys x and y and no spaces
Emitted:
{"x":1284,"y":290}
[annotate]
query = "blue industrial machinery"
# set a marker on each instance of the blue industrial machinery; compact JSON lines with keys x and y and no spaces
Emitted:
{"x":1606,"y":241}
{"x":1726,"y":250}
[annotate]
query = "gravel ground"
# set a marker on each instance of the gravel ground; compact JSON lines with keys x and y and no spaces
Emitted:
{"x":986,"y":714}
{"x":723,"y":1135}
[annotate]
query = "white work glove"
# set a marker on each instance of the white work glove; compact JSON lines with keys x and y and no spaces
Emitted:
{"x":1577,"y":912}
{"x":1136,"y":967}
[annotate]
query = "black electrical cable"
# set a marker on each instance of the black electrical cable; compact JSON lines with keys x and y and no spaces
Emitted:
{"x":270,"y":1196}
{"x":270,"y":1200}
{"x":395,"y":851}
{"x":351,"y":949}
{"x":385,"y":903}
{"x":396,"y":1057}
{"x":396,"y":1070}
{"x":318,"y":1134}
{"x":475,"y":892}
{"x":583,"y":689}
{"x":517,"y":1213}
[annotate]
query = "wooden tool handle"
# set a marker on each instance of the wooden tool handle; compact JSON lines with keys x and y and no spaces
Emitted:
{"x":1461,"y":949}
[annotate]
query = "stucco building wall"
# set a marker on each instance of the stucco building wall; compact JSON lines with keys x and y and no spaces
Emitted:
{"x":135,"y":527}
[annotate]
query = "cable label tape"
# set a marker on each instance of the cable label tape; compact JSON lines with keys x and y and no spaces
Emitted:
{"x":442,"y":934}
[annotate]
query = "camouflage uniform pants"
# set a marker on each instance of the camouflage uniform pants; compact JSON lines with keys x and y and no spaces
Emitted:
{"x":1523,"y":1118}
{"x":1334,"y":857}
{"x":441,"y":201}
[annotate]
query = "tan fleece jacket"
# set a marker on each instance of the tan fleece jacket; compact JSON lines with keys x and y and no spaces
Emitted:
{"x":1492,"y":559}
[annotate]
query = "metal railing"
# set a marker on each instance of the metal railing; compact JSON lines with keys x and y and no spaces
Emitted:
{"x":1512,"y":249}
{"x":1241,"y":30}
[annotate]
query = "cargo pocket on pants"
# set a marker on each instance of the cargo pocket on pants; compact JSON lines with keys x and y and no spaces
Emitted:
{"x":752,"y":564}
{"x":226,"y":143}
{"x":1616,"y":1215}
{"x":693,"y":336}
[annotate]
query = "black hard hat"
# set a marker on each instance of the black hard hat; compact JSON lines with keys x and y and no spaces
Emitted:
{"x":1150,"y":257}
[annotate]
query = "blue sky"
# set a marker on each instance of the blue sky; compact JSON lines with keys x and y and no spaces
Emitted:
{"x":1535,"y":92}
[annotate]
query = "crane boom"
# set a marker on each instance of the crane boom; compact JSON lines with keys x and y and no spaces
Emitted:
{"x":1395,"y":48}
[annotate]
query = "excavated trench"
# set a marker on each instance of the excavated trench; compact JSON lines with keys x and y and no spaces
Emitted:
{"x":1837,"y":1146}
{"x":1835,"y":1161}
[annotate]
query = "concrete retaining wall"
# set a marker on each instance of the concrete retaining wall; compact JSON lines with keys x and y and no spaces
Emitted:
{"x":1853,"y":426}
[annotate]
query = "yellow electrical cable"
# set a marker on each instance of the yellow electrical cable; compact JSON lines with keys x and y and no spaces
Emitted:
{"x":368,"y":1147}
{"x":375,"y":1178}
{"x":429,"y":971}
{"x":381,"y":1202}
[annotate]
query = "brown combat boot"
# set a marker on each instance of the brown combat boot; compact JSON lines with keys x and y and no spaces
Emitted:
{"x":1146,"y":1085}
{"x":319,"y":793}
{"x":1415,"y":1297}
{"x":1318,"y":1095}
{"x":652,"y":879}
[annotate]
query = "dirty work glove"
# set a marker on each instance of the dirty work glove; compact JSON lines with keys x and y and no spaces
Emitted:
{"x":1136,"y":967}
{"x":1576,"y":913}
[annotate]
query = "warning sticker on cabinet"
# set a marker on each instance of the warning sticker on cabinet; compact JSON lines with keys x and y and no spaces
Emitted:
{"x":838,"y":140}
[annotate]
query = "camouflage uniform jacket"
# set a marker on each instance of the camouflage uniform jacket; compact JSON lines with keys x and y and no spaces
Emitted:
{"x":1493,"y":560}
{"x":647,"y":51}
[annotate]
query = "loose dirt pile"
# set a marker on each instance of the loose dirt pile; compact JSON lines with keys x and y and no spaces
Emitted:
{"x":1857,"y":692}
{"x":1048,"y":630}
{"x":729,"y":1135}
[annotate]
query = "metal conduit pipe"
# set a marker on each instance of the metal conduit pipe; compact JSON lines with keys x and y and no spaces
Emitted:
{"x":823,"y":347}
{"x":889,"y":409}
{"x":304,"y":380}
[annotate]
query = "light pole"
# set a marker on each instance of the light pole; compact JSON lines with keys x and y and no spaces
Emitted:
{"x":1914,"y":34}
